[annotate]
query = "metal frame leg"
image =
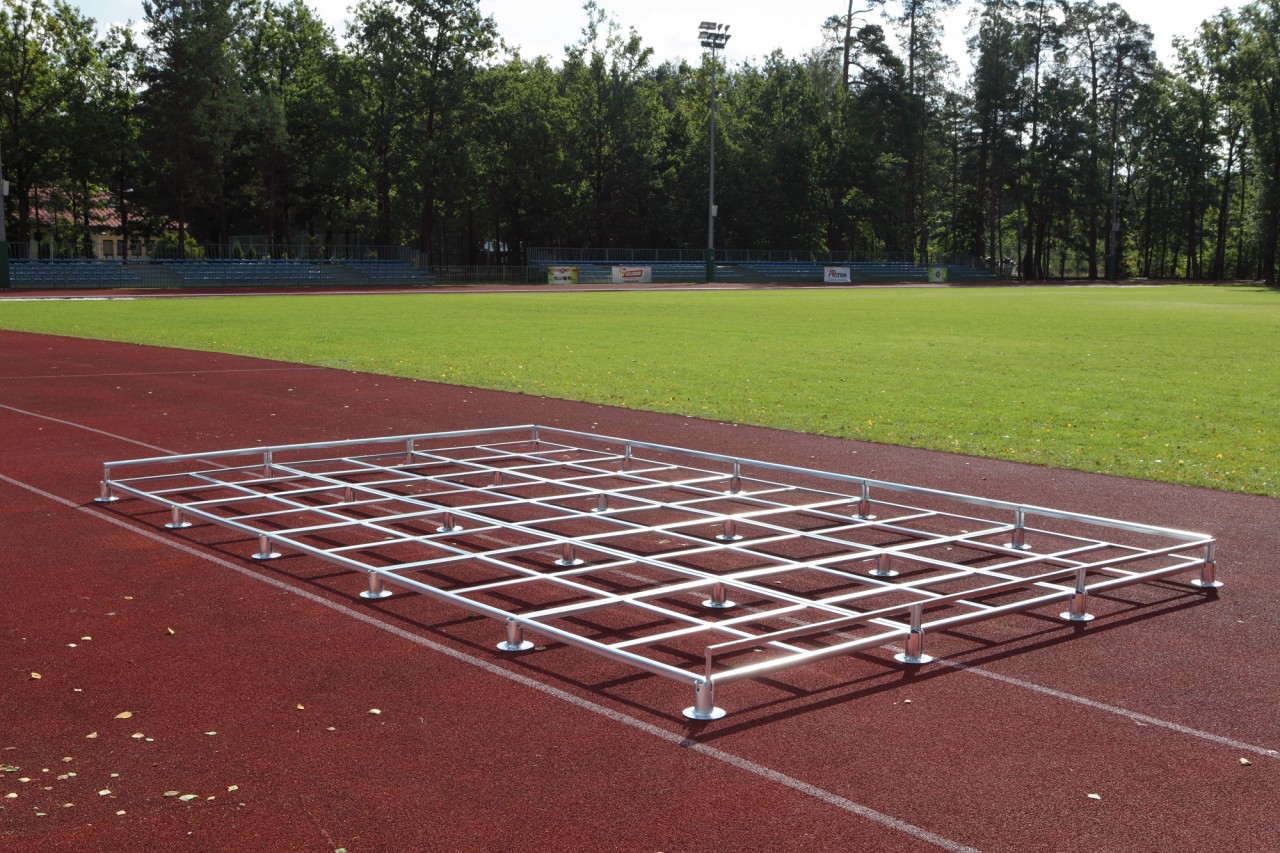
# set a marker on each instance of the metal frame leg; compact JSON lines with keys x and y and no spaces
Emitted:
{"x":730,"y":532}
{"x":176,"y":520}
{"x":1079,"y":601}
{"x":718,"y":601}
{"x":264,"y":549}
{"x":1208,"y":571}
{"x":515,"y":641}
{"x":704,"y":703}
{"x":376,"y":589}
{"x":568,"y":557}
{"x":882,"y":569}
{"x":914,"y":652}
{"x":104,"y":493}
{"x":449,"y":525}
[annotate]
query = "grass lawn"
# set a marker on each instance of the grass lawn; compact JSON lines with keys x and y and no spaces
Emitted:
{"x":1171,"y":383}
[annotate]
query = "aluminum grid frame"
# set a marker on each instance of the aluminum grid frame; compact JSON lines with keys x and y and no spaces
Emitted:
{"x":698,"y":567}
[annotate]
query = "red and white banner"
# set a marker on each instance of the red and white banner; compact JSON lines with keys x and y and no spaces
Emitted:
{"x":632,"y":275}
{"x":836,"y":275}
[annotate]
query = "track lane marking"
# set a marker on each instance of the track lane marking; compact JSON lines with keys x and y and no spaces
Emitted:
{"x":1093,"y":704}
{"x":768,"y":773}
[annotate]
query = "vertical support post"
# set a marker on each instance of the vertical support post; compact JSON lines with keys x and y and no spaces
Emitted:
{"x":718,"y":599}
{"x":626,"y":457}
{"x":264,"y":548}
{"x":864,"y":503}
{"x":735,"y":482}
{"x":348,"y":495}
{"x":1079,"y":601}
{"x":883,"y":568}
{"x":105,"y":495}
{"x":602,"y":502}
{"x":408,"y":451}
{"x":266,"y":462}
{"x":1208,"y":570}
{"x":448,"y":525}
{"x":497,"y":478}
{"x":914,"y":651}
{"x":568,"y":557}
{"x":376,"y":588}
{"x":515,"y":641}
{"x":704,"y":702}
{"x":176,"y":520}
{"x":730,"y":532}
{"x":1020,"y":532}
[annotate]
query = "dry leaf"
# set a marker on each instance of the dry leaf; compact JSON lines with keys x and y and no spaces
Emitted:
{"x":91,"y":735}
{"x":375,"y":711}
{"x":11,"y":796}
{"x":211,"y":734}
{"x":1095,"y":796}
{"x":124,"y":715}
{"x":36,"y":676}
{"x":1246,"y":762}
{"x":233,"y":787}
{"x":170,"y":630}
{"x":172,"y":793}
{"x":186,"y":798}
{"x":137,"y":735}
{"x":104,"y":792}
{"x":301,"y":708}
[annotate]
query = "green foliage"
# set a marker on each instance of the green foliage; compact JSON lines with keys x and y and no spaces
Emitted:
{"x":1159,"y":383}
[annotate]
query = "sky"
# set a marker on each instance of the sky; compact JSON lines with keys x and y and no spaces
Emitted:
{"x":670,"y":27}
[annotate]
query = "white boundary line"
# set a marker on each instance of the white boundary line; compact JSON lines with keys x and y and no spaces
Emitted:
{"x":674,"y":738}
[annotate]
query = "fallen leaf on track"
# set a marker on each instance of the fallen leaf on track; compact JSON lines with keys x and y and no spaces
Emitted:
{"x":124,"y":715}
{"x":1246,"y":762}
{"x":1095,"y":796}
{"x":35,"y":676}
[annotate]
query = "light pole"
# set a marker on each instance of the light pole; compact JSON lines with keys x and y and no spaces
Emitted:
{"x":713,"y":36}
{"x":4,"y":239}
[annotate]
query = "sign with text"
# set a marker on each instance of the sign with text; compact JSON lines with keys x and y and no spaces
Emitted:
{"x":632,"y":275}
{"x":562,"y":275}
{"x":836,"y":275}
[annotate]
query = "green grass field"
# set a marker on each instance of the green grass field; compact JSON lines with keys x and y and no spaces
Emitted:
{"x":1180,"y":384}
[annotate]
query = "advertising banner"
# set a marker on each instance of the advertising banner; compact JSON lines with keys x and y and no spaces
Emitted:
{"x":632,"y":275}
{"x":836,"y":275}
{"x":937,"y":275}
{"x":562,"y":275}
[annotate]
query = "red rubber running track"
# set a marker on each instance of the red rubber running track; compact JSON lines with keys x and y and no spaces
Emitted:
{"x":251,"y":687}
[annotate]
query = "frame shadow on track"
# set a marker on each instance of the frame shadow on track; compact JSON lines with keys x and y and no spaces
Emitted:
{"x":756,"y":702}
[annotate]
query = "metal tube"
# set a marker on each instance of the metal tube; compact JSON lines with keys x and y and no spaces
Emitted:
{"x":704,"y":702}
{"x":914,"y":651}
{"x":568,"y":557}
{"x":1079,"y":600}
{"x":376,"y":589}
{"x":882,"y":569}
{"x":264,"y":549}
{"x":515,"y":641}
{"x":718,"y":600}
{"x":864,"y":503}
{"x":176,"y":521}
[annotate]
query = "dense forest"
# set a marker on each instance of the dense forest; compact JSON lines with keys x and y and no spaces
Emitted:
{"x":1068,"y":150}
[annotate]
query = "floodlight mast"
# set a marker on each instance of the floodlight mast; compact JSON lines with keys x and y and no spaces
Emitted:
{"x":4,"y":239}
{"x":713,"y":37}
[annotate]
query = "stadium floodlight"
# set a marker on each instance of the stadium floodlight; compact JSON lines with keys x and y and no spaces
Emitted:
{"x":4,"y":239}
{"x":713,"y":36}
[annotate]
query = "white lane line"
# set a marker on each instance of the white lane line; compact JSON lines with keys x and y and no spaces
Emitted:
{"x":1134,"y":716}
{"x":764,"y":772}
{"x":164,"y":373}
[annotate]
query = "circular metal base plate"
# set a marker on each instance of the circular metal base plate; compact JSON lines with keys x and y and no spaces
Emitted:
{"x":871,"y":517}
{"x":178,"y":526}
{"x":1084,"y":617}
{"x":723,"y":538}
{"x":1023,"y":547}
{"x":109,"y":500}
{"x":901,"y":657}
{"x":383,"y":594}
{"x":455,"y":529}
{"x":692,"y":713}
{"x":719,"y":605}
{"x":1209,"y":585}
{"x":570,"y":563}
{"x":876,"y":573}
{"x":270,"y":555}
{"x":523,"y":646}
